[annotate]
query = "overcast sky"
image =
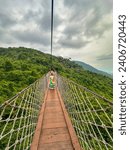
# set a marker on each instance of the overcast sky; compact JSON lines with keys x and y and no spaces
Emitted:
{"x":82,"y":28}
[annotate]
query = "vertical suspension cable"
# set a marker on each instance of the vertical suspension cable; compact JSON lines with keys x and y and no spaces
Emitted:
{"x":52,"y":3}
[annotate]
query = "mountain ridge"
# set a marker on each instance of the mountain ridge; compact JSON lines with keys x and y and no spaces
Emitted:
{"x":92,"y":69}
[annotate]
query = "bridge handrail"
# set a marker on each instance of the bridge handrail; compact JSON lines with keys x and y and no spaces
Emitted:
{"x":18,"y":116}
{"x":90,"y":114}
{"x":94,"y":93}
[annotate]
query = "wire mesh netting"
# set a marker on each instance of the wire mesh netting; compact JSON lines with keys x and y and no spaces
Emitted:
{"x":19,"y":115}
{"x":90,"y":114}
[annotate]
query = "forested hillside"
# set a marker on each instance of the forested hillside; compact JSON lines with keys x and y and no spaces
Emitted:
{"x":21,"y":66}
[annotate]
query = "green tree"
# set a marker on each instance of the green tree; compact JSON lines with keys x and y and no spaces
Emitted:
{"x":8,"y":65}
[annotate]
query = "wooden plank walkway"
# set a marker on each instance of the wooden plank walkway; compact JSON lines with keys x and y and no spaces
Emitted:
{"x":54,"y":130}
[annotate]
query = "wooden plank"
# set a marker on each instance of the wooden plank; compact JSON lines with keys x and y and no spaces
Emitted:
{"x":52,"y":115}
{"x":54,"y":120}
{"x":54,"y":125}
{"x":51,"y":138}
{"x":65,"y":145}
{"x":55,"y":131}
{"x":53,"y":109}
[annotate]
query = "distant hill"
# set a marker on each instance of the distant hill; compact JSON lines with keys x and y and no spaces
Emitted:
{"x":19,"y":67}
{"x":92,"y":69}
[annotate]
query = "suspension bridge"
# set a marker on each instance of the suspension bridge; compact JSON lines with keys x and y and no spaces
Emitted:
{"x":66,"y":118}
{"x":69,"y":117}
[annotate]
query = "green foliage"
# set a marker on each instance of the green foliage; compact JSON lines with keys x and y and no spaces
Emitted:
{"x":8,"y":65}
{"x":21,"y":66}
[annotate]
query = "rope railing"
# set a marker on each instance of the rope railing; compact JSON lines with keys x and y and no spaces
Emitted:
{"x":90,"y":114}
{"x":19,"y":115}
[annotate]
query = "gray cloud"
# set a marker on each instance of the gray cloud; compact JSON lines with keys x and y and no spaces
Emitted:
{"x":72,"y":30}
{"x":105,"y":57}
{"x":6,"y":21}
{"x":32,"y":15}
{"x":79,"y":25}
{"x":33,"y":37}
{"x":89,"y":13}
{"x":5,"y":38}
{"x":72,"y":43}
{"x":104,"y":6}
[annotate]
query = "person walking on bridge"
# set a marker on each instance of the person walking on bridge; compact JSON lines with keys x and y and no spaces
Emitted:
{"x":52,"y":81}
